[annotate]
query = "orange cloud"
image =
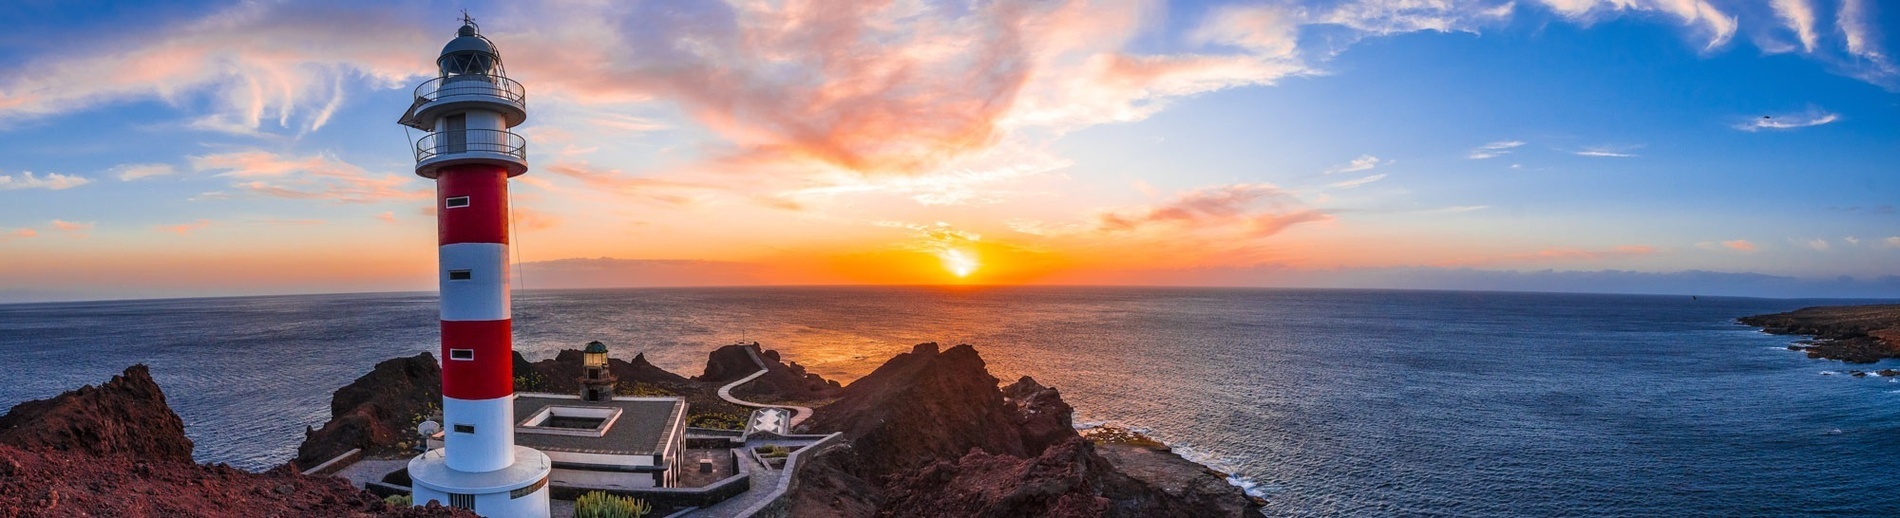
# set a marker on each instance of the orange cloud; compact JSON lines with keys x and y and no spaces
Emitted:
{"x":1739,"y":245}
{"x":185,"y":229}
{"x":315,"y":177}
{"x":1261,"y":209}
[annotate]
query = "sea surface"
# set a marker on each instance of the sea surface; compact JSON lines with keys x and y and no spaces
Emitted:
{"x":1327,"y":403}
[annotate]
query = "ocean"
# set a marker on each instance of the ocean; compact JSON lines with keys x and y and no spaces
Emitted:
{"x":1326,"y":402}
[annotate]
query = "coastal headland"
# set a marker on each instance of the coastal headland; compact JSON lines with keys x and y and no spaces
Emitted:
{"x":929,"y":433}
{"x":1852,"y":334}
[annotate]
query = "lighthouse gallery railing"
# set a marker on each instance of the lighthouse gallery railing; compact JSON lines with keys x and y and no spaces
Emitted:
{"x":473,"y":85}
{"x":471,"y":141}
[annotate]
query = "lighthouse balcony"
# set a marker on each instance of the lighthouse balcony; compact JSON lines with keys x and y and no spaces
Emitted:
{"x":448,"y":95}
{"x":471,"y":146}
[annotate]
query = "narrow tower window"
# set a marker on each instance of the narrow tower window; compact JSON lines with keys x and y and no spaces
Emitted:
{"x":461,"y":354}
{"x":464,"y":428}
{"x":461,"y":275}
{"x":456,"y":202}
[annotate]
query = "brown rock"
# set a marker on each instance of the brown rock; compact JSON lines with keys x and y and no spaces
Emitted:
{"x":127,"y":416}
{"x":931,"y":435}
{"x":377,"y":411}
{"x":1853,"y":334}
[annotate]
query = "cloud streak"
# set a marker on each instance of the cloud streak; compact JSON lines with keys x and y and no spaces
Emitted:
{"x":314,"y":177}
{"x":1494,"y":149}
{"x":1257,"y":210}
{"x":1808,"y":119}
{"x":49,"y":181}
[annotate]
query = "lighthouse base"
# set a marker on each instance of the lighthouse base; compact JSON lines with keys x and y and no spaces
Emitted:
{"x":521,"y":489}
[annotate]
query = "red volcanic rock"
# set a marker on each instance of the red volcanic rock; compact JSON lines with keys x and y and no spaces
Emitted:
{"x":377,"y":412}
{"x":921,"y":407}
{"x":126,"y":416}
{"x":1062,"y":482}
{"x":60,"y":484}
{"x":1044,"y":417}
{"x":930,"y":434}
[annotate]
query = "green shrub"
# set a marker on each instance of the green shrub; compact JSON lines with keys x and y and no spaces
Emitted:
{"x":717,"y":420}
{"x":597,"y":504}
{"x":773,"y":451}
{"x":638,"y":389}
{"x":399,"y":501}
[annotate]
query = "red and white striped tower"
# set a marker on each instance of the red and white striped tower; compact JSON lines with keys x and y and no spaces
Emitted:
{"x":470,"y":154}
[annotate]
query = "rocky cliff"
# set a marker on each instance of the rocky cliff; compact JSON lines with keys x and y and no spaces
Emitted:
{"x":126,"y":416}
{"x":1853,"y":334}
{"x":931,"y":434}
{"x":119,"y":450}
{"x":377,"y":412}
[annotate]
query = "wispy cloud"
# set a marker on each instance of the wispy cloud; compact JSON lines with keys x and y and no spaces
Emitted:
{"x":266,"y":62}
{"x":1812,"y":117}
{"x":1857,"y":28}
{"x":1348,"y":184}
{"x":1739,"y":245}
{"x":130,"y":172}
{"x":71,"y":227}
{"x":185,"y":229}
{"x":1257,"y":210}
{"x":1603,"y":152}
{"x":314,"y":177}
{"x":1455,"y":209}
{"x":21,"y":233}
{"x":1362,"y":163}
{"x":1799,"y":16}
{"x":49,"y":181}
{"x":1708,"y":22}
{"x":1817,"y":244}
{"x":1893,"y":242}
{"x":1494,"y":149}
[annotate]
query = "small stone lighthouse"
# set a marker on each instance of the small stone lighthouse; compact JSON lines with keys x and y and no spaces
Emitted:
{"x":467,"y":111}
{"x":597,"y":381}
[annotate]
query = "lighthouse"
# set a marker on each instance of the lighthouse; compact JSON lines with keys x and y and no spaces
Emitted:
{"x":467,"y":149}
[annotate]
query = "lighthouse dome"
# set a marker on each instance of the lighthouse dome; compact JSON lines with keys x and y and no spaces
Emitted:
{"x":469,"y":53}
{"x":596,"y":347}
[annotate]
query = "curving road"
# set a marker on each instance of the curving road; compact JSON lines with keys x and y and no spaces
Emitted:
{"x":799,"y":413}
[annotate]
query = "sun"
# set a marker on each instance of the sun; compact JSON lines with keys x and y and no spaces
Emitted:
{"x":960,"y":263}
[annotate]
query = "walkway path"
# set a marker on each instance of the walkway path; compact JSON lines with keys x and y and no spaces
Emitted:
{"x":799,"y":413}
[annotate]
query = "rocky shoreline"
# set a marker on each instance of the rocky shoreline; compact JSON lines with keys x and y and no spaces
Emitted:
{"x":929,"y":433}
{"x":1852,"y":334}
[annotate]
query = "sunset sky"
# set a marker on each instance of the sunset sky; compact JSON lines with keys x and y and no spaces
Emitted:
{"x":1663,"y":146}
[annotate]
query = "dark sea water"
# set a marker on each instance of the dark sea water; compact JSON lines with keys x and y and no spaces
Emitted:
{"x":1326,"y":402}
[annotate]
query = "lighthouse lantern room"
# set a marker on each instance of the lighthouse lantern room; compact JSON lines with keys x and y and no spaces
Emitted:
{"x":467,"y":111}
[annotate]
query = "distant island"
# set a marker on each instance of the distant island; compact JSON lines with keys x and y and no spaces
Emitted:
{"x":1852,"y":334}
{"x":929,"y":433}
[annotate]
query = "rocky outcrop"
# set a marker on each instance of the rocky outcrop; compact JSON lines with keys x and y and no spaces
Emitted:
{"x":930,"y":434}
{"x":377,"y":412}
{"x":921,"y":407}
{"x":125,"y":417}
{"x":119,"y":450}
{"x":781,"y":382}
{"x":65,"y":483}
{"x":1044,"y":418}
{"x":1853,"y":334}
{"x":561,"y":374}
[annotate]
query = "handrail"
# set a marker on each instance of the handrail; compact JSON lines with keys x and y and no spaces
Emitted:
{"x":471,"y":141}
{"x":472,"y":85}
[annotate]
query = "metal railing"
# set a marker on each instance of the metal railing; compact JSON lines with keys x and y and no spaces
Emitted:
{"x":471,"y":141}
{"x":473,"y":85}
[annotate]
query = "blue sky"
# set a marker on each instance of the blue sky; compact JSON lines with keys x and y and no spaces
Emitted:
{"x":215,"y":148}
